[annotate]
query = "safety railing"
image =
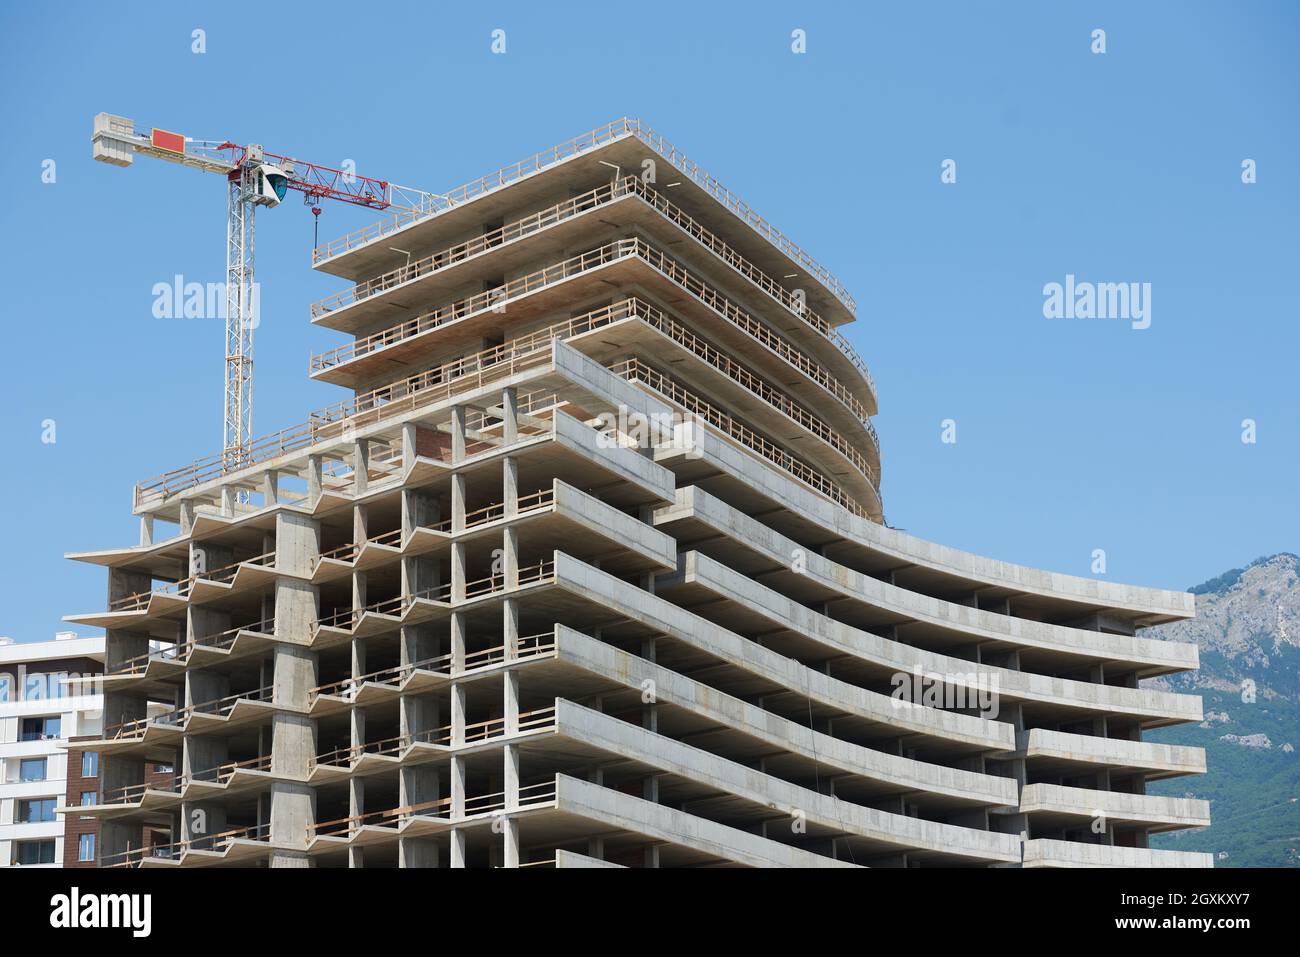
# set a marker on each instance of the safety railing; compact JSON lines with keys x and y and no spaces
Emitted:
{"x":591,"y":140}
{"x":637,"y":371}
{"x":177,"y":849}
{"x":349,"y":552}
{"x":183,"y":587}
{"x":609,"y":253}
{"x":334,"y":421}
{"x":132,"y":793}
{"x":568,"y":209}
{"x":178,"y":716}
{"x":473,"y":733}
{"x":398,"y":606}
{"x":180,"y":653}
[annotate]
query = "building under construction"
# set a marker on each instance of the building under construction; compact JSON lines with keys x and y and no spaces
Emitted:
{"x":591,"y":570}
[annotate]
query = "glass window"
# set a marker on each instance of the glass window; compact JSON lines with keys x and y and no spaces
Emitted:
{"x":6,"y":687}
{"x":90,"y":764}
{"x":36,"y":811}
{"x":31,"y":769}
{"x":35,"y":852}
{"x":88,"y":799}
{"x":41,"y":729}
{"x":86,"y":847}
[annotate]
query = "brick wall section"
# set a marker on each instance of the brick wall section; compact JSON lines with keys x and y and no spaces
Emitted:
{"x":74,"y":824}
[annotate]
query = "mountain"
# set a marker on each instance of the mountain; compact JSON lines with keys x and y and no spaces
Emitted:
{"x":1247,"y":627}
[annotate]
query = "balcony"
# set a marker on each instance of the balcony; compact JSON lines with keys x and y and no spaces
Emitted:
{"x":607,"y":136}
{"x":498,"y":241}
{"x":551,"y":287}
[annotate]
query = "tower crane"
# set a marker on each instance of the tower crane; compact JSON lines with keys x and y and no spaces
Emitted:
{"x":254,"y":178}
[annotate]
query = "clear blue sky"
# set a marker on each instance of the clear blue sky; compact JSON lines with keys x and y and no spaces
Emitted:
{"x":1071,"y":435}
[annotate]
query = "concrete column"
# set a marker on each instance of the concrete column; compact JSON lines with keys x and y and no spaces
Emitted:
{"x":186,"y":517}
{"x":315,"y":480}
{"x":510,"y":415}
{"x":146,"y":530}
{"x":457,"y":433}
{"x":457,"y":787}
{"x":270,"y":488}
{"x":410,"y":443}
{"x":457,"y":643}
{"x":457,"y":714}
{"x":206,"y":557}
{"x":293,"y":750}
{"x":510,"y":557}
{"x":203,"y":687}
{"x":297,"y":543}
{"x":457,"y":503}
{"x":414,"y":852}
{"x":418,"y":509}
{"x":510,"y":484}
{"x":510,"y":842}
{"x":356,"y":802}
{"x":510,"y":701}
{"x":360,"y":466}
{"x":458,"y":572}
{"x":649,"y":713}
{"x":510,"y":627}
{"x":457,"y":837}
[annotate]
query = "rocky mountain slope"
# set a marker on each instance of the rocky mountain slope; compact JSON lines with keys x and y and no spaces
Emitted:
{"x":1247,"y":626}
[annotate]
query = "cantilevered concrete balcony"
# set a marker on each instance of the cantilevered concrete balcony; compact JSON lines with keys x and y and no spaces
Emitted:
{"x":574,"y":223}
{"x":1052,"y":853}
{"x":544,"y":292}
{"x":1056,"y":805}
{"x":581,"y":162}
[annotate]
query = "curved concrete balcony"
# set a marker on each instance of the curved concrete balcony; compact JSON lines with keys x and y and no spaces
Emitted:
{"x":757,"y":795}
{"x":564,"y":809}
{"x":861,"y":481}
{"x":739,"y":541}
{"x":1053,"y":804}
{"x":919,"y":565}
{"x":613,"y":331}
{"x":362,"y":253}
{"x":492,"y":314}
{"x":866,"y":712}
{"x":1042,"y":852}
{"x":1068,"y":753}
{"x":785,"y":744}
{"x":577,"y":221}
{"x":704,"y":580}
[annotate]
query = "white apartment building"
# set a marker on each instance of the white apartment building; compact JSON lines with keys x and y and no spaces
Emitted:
{"x":44,"y":700}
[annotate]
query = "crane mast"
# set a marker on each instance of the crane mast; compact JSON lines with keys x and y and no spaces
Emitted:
{"x":241,"y":319}
{"x":253,"y":178}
